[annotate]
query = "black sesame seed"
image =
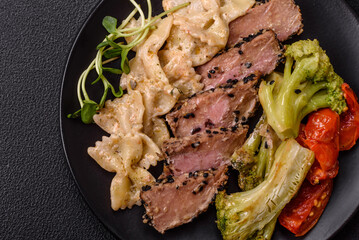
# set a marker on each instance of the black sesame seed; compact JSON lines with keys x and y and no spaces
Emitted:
{"x":240,"y":52}
{"x":209,"y":75}
{"x":193,"y":95}
{"x":205,"y":175}
{"x":179,"y":107}
{"x":297,"y":91}
{"x":235,"y":81}
{"x":266,"y":144}
{"x":237,"y":112}
{"x":271,"y":82}
{"x":244,"y":119}
{"x":208,"y":123}
{"x":234,"y":128}
{"x":184,"y":183}
{"x":212,"y":71}
{"x":190,"y":174}
{"x":230,"y":95}
{"x":170,"y":179}
{"x":177,"y":187}
{"x":248,"y":64}
{"x":146,"y":188}
{"x":208,"y":131}
{"x":236,"y":119}
{"x":188,"y":115}
{"x":205,"y":182}
{"x":195,"y":130}
{"x":196,"y":144}
{"x":216,"y":68}
{"x":223,"y":129}
{"x":194,"y":192}
{"x":238,"y":44}
{"x":200,"y":189}
{"x":215,"y":132}
{"x":159,"y":180}
{"x":229,"y":80}
{"x":175,"y":119}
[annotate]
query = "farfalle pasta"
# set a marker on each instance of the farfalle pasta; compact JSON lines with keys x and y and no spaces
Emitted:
{"x":161,"y":73}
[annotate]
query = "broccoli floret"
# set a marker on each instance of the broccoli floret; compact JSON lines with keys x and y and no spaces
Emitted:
{"x":252,"y":214}
{"x":255,"y":158}
{"x":308,"y":84}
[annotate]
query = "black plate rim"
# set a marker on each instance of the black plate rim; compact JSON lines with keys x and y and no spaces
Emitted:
{"x":70,"y":56}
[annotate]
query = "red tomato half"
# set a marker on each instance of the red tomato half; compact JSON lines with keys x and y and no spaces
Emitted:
{"x":349,"y":120}
{"x":321,"y":135}
{"x":303,"y":211}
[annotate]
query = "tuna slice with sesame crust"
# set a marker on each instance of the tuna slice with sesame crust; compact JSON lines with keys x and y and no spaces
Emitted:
{"x":281,"y":16}
{"x":259,"y":53}
{"x":174,"y":201}
{"x":202,"y":151}
{"x":226,"y":106}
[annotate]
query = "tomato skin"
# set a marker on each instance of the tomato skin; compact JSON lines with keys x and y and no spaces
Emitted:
{"x":303,"y":211}
{"x":349,"y":120}
{"x":321,"y":135}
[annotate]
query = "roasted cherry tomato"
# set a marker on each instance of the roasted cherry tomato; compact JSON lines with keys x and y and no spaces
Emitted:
{"x":321,"y":135}
{"x":301,"y":137}
{"x":349,"y":120}
{"x":303,"y":211}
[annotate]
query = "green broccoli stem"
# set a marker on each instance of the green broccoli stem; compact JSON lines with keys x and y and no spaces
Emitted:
{"x":262,"y":161}
{"x":242,"y":214}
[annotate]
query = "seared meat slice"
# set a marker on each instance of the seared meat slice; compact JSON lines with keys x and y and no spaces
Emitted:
{"x":281,"y":16}
{"x":177,"y":200}
{"x":203,"y":151}
{"x":261,"y":54}
{"x":221,"y":107}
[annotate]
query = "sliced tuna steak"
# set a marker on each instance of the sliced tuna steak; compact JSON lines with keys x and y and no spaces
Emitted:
{"x":177,"y":200}
{"x":210,"y":149}
{"x":281,"y":16}
{"x":221,"y":107}
{"x":261,"y":54}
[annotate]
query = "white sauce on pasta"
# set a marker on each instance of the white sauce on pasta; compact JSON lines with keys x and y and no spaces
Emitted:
{"x":190,"y":37}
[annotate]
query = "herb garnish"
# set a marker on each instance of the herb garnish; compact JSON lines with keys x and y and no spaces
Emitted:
{"x":110,"y":50}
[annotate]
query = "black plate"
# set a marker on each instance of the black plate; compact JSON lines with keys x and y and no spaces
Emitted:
{"x":331,"y":22}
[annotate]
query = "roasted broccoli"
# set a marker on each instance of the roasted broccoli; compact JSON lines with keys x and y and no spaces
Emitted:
{"x":255,"y":158}
{"x":308,"y":83}
{"x":252,"y":214}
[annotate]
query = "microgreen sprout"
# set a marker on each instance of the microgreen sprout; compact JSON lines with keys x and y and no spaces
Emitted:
{"x":109,"y":50}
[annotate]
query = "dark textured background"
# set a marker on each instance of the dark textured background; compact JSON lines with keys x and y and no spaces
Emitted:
{"x":38,"y":197}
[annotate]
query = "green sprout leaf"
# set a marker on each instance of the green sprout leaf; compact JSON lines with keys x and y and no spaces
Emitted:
{"x":112,"y":53}
{"x":88,"y":111}
{"x":112,"y":70}
{"x":75,"y":114}
{"x":125,"y":66}
{"x":110,"y":23}
{"x":101,"y":45}
{"x":112,"y":43}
